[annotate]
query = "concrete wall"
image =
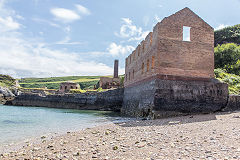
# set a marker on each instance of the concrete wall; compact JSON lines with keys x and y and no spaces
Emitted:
{"x":159,"y":98}
{"x":233,"y":103}
{"x":110,"y":100}
{"x":164,"y":52}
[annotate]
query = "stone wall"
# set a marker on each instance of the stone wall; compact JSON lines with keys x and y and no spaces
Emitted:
{"x":162,"y":98}
{"x":164,"y":52}
{"x":109,"y":100}
{"x":233,"y":103}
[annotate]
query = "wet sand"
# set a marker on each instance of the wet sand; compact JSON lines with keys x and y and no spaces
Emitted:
{"x":210,"y":136}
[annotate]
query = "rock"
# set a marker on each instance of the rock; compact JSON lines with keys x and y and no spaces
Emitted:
{"x":36,"y":149}
{"x":173,"y":122}
{"x":6,"y":94}
{"x":76,"y":154}
{"x":141,"y":145}
{"x":236,"y":116}
{"x":115,"y":148}
{"x":94,"y":156}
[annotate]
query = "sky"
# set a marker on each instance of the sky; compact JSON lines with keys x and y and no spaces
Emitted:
{"x":48,"y":38}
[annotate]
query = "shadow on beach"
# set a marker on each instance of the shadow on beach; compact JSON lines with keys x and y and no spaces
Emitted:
{"x":196,"y":118}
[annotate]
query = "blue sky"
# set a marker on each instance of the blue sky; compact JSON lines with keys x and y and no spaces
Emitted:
{"x":45,"y":38}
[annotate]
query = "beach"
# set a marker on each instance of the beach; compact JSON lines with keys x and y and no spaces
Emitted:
{"x":209,"y":136}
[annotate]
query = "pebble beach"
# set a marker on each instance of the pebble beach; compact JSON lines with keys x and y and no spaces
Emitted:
{"x":209,"y":136}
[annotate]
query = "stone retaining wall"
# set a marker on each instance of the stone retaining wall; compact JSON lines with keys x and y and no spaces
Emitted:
{"x":233,"y":103}
{"x":161,"y":98}
{"x":108,"y":101}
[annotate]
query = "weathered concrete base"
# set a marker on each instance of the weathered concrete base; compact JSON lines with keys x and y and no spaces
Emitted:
{"x":108,"y":101}
{"x":162,"y":98}
{"x":233,"y":103}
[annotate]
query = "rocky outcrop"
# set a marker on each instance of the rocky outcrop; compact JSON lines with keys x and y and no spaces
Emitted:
{"x":5,"y":95}
{"x":109,"y":101}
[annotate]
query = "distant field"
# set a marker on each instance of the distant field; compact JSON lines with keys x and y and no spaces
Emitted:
{"x":54,"y":82}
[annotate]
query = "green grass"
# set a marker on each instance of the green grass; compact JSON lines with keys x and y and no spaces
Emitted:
{"x":85,"y":82}
{"x":7,"y":81}
{"x":56,"y":79}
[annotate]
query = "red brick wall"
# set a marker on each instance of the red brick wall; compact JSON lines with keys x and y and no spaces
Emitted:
{"x":172,"y":55}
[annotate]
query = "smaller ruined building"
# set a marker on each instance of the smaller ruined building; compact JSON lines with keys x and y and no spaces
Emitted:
{"x":107,"y":82}
{"x":67,"y":86}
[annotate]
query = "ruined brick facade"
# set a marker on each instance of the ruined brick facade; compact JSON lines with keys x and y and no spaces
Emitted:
{"x":164,"y":53}
{"x":67,"y":86}
{"x":172,"y":73}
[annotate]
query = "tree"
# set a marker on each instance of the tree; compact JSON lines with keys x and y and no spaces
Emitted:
{"x":227,"y":56}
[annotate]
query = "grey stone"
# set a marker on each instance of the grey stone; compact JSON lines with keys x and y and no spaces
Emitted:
{"x":163,"y":98}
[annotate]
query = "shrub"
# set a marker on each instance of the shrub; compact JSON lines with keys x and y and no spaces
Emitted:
{"x":227,"y":35}
{"x":227,"y":57}
{"x":232,"y":80}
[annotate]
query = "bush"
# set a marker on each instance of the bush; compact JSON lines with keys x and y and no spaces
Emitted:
{"x":227,"y":57}
{"x":232,"y":80}
{"x":227,"y":35}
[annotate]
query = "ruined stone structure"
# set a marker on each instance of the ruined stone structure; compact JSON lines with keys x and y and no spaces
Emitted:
{"x":67,"y":86}
{"x":172,"y":71}
{"x":107,"y":82}
{"x":108,"y":101}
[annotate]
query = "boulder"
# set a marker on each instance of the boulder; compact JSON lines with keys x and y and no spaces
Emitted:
{"x":6,"y":94}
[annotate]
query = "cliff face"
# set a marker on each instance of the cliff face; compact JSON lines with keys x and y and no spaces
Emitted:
{"x":108,"y":101}
{"x":5,"y":95}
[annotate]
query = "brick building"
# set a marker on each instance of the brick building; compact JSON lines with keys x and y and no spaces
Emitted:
{"x":172,"y":71}
{"x":180,"y":46}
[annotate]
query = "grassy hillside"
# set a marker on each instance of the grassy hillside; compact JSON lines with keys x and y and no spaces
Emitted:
{"x":54,"y":82}
{"x":227,"y":35}
{"x":6,"y":81}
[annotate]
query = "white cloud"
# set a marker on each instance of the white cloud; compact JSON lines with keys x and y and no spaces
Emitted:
{"x":21,"y":58}
{"x":157,"y":18}
{"x":24,"y":57}
{"x":139,"y":38}
{"x":65,"y":15}
{"x":131,"y":31}
{"x":7,"y":18}
{"x":221,"y":26}
{"x":67,"y":41}
{"x":83,"y":10}
{"x":8,"y":24}
{"x":43,"y":21}
{"x":115,"y":49}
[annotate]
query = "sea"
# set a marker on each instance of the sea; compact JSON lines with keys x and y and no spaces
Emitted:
{"x":20,"y":123}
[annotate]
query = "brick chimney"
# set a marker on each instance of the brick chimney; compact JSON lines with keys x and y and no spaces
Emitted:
{"x":115,"y":75}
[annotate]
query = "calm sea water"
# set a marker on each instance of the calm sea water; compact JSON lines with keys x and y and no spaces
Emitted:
{"x":19,"y":123}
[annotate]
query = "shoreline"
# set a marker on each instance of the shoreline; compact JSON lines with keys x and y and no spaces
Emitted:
{"x":208,"y":136}
{"x":16,"y":145}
